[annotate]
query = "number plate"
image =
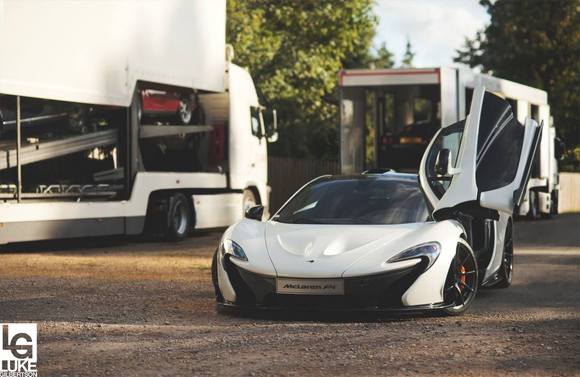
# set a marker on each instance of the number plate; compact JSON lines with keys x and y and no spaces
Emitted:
{"x":322,"y":287}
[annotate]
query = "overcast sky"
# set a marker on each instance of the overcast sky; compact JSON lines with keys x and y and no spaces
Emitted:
{"x":435,"y":27}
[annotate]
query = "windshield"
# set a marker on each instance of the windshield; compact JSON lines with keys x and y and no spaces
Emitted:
{"x":356,"y":200}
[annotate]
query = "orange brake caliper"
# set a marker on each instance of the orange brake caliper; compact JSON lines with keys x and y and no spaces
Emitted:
{"x":462,"y":277}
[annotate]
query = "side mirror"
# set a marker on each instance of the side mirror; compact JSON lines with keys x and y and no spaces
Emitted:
{"x":443,"y":162}
{"x":271,"y":123}
{"x":255,"y":213}
{"x":256,"y":121}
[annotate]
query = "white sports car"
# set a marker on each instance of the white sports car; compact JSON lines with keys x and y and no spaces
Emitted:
{"x":389,"y":241}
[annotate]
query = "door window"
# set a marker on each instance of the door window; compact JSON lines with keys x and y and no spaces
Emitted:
{"x":499,"y":144}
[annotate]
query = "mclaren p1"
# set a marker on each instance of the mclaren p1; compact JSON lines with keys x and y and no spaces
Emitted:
{"x":387,"y":241}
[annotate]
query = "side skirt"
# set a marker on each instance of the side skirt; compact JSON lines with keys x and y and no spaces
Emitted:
{"x":56,"y":229}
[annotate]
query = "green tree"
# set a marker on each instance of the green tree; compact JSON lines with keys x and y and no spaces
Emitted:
{"x":535,"y":42}
{"x":382,"y":58}
{"x":294,"y":50}
{"x":408,"y":56}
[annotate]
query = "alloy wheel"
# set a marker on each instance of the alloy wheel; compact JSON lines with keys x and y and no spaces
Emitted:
{"x":461,"y":283}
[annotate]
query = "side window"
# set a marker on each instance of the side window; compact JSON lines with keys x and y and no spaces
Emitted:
{"x":255,"y":121}
{"x":499,"y":144}
{"x":448,"y":138}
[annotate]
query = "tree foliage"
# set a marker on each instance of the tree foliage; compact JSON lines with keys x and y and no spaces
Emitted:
{"x":381,"y":58}
{"x":408,"y":56}
{"x":294,"y":50}
{"x":535,"y":42}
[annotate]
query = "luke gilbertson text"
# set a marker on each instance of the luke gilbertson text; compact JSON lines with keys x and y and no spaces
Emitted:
{"x":18,"y":350}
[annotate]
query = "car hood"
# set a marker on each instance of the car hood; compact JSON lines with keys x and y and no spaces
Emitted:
{"x":323,"y":251}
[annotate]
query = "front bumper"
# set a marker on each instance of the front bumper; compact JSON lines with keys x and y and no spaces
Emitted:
{"x":379,"y":292}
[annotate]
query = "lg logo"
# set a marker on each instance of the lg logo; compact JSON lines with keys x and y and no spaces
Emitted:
{"x":18,"y":352}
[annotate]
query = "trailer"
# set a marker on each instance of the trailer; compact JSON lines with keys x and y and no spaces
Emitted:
{"x":388,"y":116}
{"x":119,"y":117}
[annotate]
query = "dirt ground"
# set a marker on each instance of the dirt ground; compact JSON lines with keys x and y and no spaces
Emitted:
{"x":135,"y":308}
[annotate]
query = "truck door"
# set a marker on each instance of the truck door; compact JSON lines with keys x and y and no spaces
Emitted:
{"x":482,"y":162}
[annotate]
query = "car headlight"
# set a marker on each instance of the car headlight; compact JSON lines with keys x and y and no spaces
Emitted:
{"x":429,"y":250}
{"x":232,"y":248}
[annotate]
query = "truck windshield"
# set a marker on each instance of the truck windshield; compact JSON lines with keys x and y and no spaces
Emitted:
{"x":356,"y":200}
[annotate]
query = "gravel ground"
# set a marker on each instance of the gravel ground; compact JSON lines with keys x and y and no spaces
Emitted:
{"x":133,"y":308}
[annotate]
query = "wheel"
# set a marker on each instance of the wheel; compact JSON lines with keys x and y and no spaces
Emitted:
{"x":185,"y":110}
{"x":533,"y":212}
{"x":248,"y":201}
{"x":461,"y":284}
{"x":506,"y":269}
{"x":178,"y":217}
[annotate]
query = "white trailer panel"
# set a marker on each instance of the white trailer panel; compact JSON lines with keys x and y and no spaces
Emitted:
{"x":94,"y":51}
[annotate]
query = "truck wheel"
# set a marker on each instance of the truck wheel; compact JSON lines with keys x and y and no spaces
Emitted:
{"x":178,"y":217}
{"x":533,"y":212}
{"x":248,"y":201}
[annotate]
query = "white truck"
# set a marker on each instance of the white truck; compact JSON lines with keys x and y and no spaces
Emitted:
{"x":389,"y":115}
{"x":122,"y":116}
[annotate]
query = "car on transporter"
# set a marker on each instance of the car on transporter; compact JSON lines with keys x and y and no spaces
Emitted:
{"x":387,"y":241}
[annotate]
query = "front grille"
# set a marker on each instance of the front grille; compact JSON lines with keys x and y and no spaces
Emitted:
{"x":374,"y":291}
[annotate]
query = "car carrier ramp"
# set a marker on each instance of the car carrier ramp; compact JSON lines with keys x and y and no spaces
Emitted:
{"x":36,"y":151}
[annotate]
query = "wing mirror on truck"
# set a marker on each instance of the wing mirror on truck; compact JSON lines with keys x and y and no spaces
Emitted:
{"x":271,"y":125}
{"x":443,"y":163}
{"x":255,"y":213}
{"x":264,"y":123}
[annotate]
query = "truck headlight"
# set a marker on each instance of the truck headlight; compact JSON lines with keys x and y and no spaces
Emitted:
{"x":428,"y":250}
{"x":232,"y":248}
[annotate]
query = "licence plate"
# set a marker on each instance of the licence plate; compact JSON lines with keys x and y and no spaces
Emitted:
{"x":322,"y":287}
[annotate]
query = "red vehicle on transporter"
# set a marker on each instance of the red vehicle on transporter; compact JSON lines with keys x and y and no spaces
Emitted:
{"x":162,"y":105}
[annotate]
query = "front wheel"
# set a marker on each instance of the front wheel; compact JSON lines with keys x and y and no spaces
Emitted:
{"x":461,"y":284}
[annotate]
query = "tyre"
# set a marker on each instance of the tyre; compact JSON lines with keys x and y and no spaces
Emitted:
{"x":178,"y":217}
{"x":185,"y":110}
{"x":506,"y":270}
{"x":248,"y":201}
{"x":462,"y":280}
{"x":534,"y":212}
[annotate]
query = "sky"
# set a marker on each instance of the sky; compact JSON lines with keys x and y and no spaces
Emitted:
{"x":436,"y":28}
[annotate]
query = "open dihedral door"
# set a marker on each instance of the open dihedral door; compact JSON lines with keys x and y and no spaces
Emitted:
{"x":482,"y":162}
